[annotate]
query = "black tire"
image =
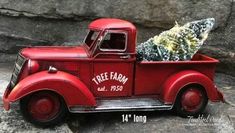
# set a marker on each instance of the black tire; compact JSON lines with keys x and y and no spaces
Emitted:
{"x":56,"y":118}
{"x":180,"y":109}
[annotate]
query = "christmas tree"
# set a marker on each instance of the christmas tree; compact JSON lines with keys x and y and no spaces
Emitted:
{"x":177,"y":44}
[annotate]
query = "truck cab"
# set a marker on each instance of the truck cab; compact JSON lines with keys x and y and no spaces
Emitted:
{"x":102,"y":75}
{"x":113,"y":55}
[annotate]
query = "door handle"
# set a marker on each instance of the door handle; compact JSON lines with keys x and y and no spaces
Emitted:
{"x":125,"y":57}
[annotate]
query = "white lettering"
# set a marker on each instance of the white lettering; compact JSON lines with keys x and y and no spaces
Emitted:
{"x":142,"y":119}
{"x":101,"y":88}
{"x":95,"y":81}
{"x":106,"y":76}
{"x":99,"y":79}
{"x":110,"y":76}
{"x":116,"y":88}
{"x":115,"y":76}
{"x":119,"y":77}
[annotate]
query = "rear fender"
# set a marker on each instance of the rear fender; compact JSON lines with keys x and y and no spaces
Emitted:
{"x":176,"y":82}
{"x":68,"y":86}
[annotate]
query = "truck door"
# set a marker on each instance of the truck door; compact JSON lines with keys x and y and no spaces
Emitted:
{"x":112,"y":66}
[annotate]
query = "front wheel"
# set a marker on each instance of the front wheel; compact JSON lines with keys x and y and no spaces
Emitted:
{"x":191,"y":101}
{"x":43,"y":108}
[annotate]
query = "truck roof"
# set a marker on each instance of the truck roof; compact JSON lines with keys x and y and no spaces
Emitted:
{"x":111,"y":23}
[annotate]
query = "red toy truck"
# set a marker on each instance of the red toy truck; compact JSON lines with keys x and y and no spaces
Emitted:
{"x":102,"y":75}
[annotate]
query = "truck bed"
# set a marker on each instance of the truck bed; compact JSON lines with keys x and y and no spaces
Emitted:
{"x":150,"y":75}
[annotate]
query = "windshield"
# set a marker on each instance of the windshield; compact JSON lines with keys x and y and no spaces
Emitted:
{"x":91,"y":36}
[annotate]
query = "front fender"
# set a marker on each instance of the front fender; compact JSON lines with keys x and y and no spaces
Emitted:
{"x":68,"y":86}
{"x":176,"y":82}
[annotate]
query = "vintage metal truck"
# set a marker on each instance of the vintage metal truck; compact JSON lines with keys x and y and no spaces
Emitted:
{"x":102,"y":75}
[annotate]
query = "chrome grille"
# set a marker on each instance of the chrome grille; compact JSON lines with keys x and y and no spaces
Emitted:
{"x":17,"y":69}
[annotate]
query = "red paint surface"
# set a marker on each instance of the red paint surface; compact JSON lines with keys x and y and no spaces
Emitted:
{"x":70,"y":87}
{"x":85,"y":74}
{"x":111,"y":74}
{"x":175,"y":82}
{"x":117,"y":24}
{"x":111,"y":23}
{"x":54,"y":52}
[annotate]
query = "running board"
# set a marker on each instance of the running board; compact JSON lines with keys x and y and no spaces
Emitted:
{"x":134,"y":104}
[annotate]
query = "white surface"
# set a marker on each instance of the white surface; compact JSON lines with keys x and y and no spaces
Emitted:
{"x":3,"y":85}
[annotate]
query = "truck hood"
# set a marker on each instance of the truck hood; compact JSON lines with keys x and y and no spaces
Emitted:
{"x":57,"y":52}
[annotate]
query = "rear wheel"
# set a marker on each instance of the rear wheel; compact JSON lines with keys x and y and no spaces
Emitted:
{"x":44,"y":108}
{"x":191,"y":101}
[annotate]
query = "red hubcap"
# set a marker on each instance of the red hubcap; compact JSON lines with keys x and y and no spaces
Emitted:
{"x":191,"y":100}
{"x":44,"y":106}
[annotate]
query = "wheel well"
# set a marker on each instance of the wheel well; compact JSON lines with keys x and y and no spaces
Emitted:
{"x":191,"y":85}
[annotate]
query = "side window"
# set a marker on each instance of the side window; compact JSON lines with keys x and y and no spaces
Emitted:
{"x":114,"y":42}
{"x":92,"y":35}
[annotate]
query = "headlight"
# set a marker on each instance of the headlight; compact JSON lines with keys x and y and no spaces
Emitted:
{"x":33,"y":66}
